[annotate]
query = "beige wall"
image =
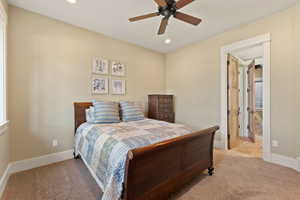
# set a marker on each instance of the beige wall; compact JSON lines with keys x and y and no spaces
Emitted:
{"x":50,"y":68}
{"x":193,"y":75}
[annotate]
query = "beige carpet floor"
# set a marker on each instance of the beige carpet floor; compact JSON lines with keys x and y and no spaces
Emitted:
{"x":237,"y":177}
{"x":242,"y":177}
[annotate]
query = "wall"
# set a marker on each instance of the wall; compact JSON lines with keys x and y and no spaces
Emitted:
{"x":193,"y":75}
{"x":4,"y":137}
{"x":50,"y":68}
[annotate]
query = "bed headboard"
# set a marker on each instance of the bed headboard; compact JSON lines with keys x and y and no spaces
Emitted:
{"x":79,"y":113}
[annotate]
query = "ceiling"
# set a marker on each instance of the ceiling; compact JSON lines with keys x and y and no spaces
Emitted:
{"x":110,"y":17}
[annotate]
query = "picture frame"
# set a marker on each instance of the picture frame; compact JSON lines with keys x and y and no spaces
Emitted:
{"x":118,"y":87}
{"x":118,"y":69}
{"x":99,"y":85}
{"x":100,"y":66}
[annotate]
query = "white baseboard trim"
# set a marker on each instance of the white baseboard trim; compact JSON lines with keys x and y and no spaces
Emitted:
{"x":298,"y":160}
{"x":285,"y":161}
{"x":3,"y":180}
{"x":218,"y":144}
{"x":23,"y":165}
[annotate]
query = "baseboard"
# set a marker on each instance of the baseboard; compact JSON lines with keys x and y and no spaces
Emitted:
{"x":3,"y":180}
{"x":218,"y":144}
{"x":23,"y":165}
{"x":298,"y":160}
{"x":285,"y":161}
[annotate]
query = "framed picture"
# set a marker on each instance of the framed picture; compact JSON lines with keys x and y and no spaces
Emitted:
{"x":118,"y":86}
{"x":99,"y":85}
{"x":100,"y":66}
{"x":118,"y":69}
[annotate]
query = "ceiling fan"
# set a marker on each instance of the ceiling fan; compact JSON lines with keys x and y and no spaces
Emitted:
{"x":168,"y":8}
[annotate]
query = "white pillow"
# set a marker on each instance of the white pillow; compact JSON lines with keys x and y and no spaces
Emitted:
{"x":89,"y":114}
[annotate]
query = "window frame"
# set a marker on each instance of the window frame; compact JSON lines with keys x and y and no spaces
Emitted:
{"x":3,"y":22}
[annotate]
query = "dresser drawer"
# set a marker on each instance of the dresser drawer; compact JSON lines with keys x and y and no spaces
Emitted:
{"x":168,"y":117}
{"x":165,"y":108}
{"x":165,"y":99}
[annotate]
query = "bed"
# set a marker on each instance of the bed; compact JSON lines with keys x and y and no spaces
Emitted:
{"x":146,"y":159}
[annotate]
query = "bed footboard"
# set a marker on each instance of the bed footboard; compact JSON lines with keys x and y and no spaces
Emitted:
{"x":153,"y":172}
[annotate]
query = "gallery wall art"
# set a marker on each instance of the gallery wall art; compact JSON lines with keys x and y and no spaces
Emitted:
{"x":118,"y":87}
{"x":100,"y":66}
{"x":118,"y":69}
{"x":103,"y":71}
{"x":99,"y":85}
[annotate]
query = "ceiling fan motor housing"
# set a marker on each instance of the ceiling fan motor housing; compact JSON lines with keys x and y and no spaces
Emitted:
{"x":168,"y":10}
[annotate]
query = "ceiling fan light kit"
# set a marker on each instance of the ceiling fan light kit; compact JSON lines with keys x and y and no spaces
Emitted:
{"x":168,"y":8}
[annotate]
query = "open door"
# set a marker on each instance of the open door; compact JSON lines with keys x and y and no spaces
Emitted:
{"x":233,"y":101}
{"x":251,"y":102}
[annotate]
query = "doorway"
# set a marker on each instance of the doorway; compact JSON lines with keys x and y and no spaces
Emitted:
{"x":247,"y":129}
{"x":245,"y":100}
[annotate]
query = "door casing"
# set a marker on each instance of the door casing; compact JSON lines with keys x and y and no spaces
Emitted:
{"x":265,"y":41}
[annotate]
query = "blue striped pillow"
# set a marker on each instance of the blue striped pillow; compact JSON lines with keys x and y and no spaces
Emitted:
{"x":106,"y":112}
{"x":131,"y":111}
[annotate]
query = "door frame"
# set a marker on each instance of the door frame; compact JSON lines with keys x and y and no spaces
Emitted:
{"x":265,"y":41}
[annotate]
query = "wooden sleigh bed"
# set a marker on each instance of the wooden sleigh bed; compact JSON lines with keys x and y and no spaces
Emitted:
{"x":155,"y":171}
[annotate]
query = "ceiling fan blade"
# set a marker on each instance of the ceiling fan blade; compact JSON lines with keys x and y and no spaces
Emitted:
{"x":187,"y":18}
{"x":182,"y":3}
{"x":161,"y":3}
{"x":143,"y":17}
{"x":163,"y":26}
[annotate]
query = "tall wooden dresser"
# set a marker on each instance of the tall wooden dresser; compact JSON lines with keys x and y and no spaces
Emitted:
{"x":161,"y":107}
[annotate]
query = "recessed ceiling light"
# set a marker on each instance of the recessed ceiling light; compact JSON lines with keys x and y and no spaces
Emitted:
{"x":72,"y":1}
{"x":168,"y":41}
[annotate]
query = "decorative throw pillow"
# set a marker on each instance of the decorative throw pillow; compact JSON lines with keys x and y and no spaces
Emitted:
{"x":89,"y":115}
{"x":106,"y":112}
{"x":131,"y":111}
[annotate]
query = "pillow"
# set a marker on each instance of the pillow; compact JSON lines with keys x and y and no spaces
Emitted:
{"x":131,"y":111}
{"x":106,"y":112}
{"x":89,"y":115}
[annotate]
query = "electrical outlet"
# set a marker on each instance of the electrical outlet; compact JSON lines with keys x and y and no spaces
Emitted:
{"x":275,"y":143}
{"x":54,"y":143}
